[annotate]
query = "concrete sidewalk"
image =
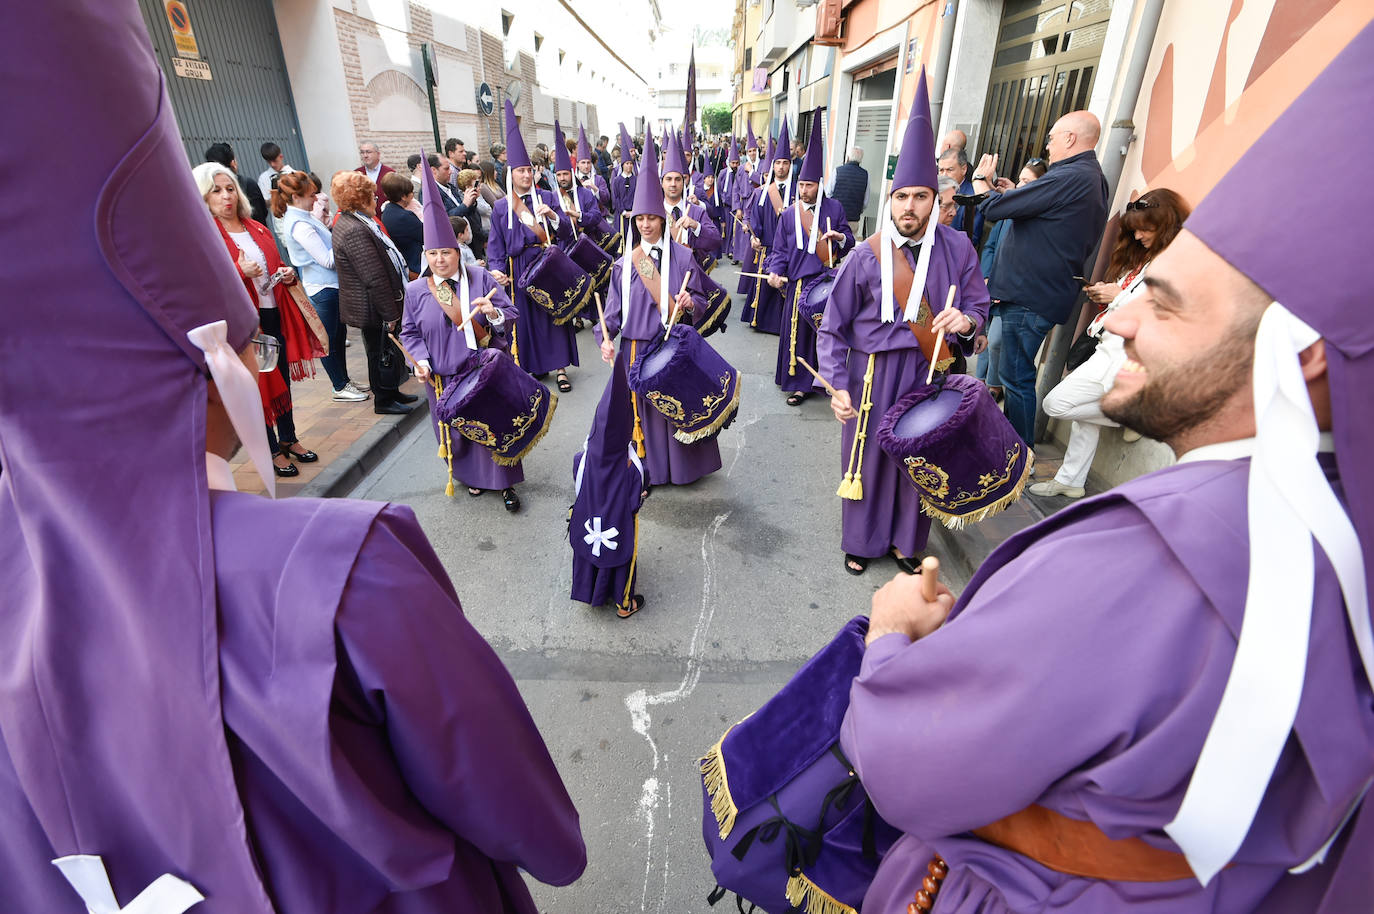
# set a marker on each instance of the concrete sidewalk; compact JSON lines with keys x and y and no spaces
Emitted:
{"x":349,"y":437}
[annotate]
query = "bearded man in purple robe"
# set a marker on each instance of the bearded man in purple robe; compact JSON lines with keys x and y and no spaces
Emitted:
{"x":1188,"y":726}
{"x":871,"y":343}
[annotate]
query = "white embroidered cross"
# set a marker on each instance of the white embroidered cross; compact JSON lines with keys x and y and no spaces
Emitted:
{"x":166,"y":895}
{"x":596,"y":537}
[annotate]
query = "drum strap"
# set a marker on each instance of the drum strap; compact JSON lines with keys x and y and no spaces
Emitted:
{"x":648,"y":273}
{"x":775,"y":198}
{"x":852,"y":486}
{"x":822,"y":247}
{"x":533,"y":224}
{"x":902,"y":278}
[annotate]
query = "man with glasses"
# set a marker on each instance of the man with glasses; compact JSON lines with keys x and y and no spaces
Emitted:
{"x":949,"y":210}
{"x":954,"y":164}
{"x":1055,"y":224}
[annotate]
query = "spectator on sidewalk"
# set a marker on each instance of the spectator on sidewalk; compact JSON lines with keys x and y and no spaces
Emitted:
{"x":457,"y":156}
{"x":470,"y":187}
{"x":1147,"y":227}
{"x":991,"y":350}
{"x":850,"y":187}
{"x":604,"y":162}
{"x":1055,"y":224}
{"x":463,"y":232}
{"x":276,"y":165}
{"x":223,"y":154}
{"x":372,"y":274}
{"x":954,"y":139}
{"x":401,"y":223}
{"x":948,"y":208}
{"x":372,"y":168}
{"x":299,"y":208}
{"x":490,"y":185}
{"x":953,"y":163}
{"x":498,"y":161}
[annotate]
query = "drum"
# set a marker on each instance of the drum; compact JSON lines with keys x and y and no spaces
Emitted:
{"x":588,"y":255}
{"x":607,"y":241}
{"x":495,"y":403}
{"x":557,"y":284}
{"x":815,"y":294}
{"x":717,"y":308}
{"x":957,"y":449}
{"x":687,"y":381}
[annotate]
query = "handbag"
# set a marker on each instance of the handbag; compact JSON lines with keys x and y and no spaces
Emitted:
{"x":392,"y":370}
{"x":1081,"y":350}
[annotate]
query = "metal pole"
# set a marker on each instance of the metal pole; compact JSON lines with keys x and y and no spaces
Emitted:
{"x":434,"y":118}
{"x":940,"y":74}
{"x":1119,"y":139}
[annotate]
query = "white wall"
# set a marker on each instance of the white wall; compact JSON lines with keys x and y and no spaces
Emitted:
{"x":310,"y":44}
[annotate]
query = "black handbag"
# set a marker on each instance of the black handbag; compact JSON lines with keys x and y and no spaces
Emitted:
{"x":1082,"y":350}
{"x":392,"y":370}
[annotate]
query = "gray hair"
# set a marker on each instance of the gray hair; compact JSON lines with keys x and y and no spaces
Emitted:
{"x":946,"y":183}
{"x":856,"y":154}
{"x":205,"y":174}
{"x":955,"y":153}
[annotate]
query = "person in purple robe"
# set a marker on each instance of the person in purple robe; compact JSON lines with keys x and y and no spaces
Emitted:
{"x":812,"y":226}
{"x":435,"y":306}
{"x":610,"y":486}
{"x":522,"y":223}
{"x":234,"y":704}
{"x":623,"y":184}
{"x":688,"y":223}
{"x":768,"y":203}
{"x":1208,"y":747}
{"x":728,"y":180}
{"x":870,"y":343}
{"x":580,"y":203}
{"x":586,"y":172}
{"x":646,"y":293}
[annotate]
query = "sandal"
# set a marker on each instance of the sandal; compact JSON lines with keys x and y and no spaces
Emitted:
{"x":564,"y":384}
{"x":305,"y":456}
{"x":474,"y":492}
{"x":511,"y":500}
{"x":909,"y":565}
{"x":636,"y":604}
{"x":796,"y":399}
{"x":851,"y":560}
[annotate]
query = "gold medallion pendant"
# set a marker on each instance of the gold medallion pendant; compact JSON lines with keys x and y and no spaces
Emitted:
{"x":444,"y":293}
{"x":645,"y":267}
{"x":527,"y":217}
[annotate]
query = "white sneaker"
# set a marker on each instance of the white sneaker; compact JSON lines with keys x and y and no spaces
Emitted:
{"x":1055,"y":487}
{"x":1129,"y":434}
{"x":349,"y":394}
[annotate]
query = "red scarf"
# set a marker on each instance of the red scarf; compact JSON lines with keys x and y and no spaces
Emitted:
{"x":302,"y":348}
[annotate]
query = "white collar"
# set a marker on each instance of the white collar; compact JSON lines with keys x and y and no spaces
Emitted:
{"x":649,"y":248}
{"x":1244,"y":447}
{"x":218,"y":473}
{"x":668,"y":207}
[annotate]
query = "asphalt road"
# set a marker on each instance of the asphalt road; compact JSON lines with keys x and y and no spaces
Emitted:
{"x":744,"y":579}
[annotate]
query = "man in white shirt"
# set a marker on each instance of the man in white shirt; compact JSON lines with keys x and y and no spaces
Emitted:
{"x":276,"y":165}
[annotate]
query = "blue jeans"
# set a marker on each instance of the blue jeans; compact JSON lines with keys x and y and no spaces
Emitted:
{"x":987,"y":361}
{"x":1023,"y":331}
{"x":326,"y":302}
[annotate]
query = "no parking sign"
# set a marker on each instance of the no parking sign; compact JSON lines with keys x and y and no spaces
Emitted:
{"x":179,"y":18}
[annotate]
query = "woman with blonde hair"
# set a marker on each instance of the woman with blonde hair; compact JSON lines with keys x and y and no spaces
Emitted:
{"x":250,"y":245}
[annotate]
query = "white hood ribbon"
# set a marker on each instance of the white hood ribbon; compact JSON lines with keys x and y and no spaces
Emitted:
{"x":816,"y":229}
{"x":891,"y":236}
{"x":1290,"y":502}
{"x":166,"y":895}
{"x":464,"y":306}
{"x":238,"y":390}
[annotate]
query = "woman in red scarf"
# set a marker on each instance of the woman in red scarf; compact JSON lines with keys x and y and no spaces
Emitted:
{"x":251,"y":246}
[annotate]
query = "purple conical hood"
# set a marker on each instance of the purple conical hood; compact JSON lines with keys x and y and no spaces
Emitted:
{"x":813,"y":166}
{"x":749,"y":141}
{"x":561,"y":160}
{"x":609,"y":441}
{"x":733,"y":155}
{"x":608,"y":481}
{"x":516,"y":155}
{"x":584,"y":149}
{"x":916,"y":160}
{"x":626,"y":146}
{"x":675,"y":161}
{"x":783,"y":149}
{"x":438,"y":230}
{"x":110,"y":700}
{"x":1320,"y":275}
{"x":649,"y":189}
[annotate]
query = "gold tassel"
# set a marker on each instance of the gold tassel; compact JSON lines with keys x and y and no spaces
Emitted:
{"x":718,"y":787}
{"x":796,"y":316}
{"x":445,"y":438}
{"x":514,"y":347}
{"x":852,"y":487}
{"x":638,"y":434}
{"x":758,"y":287}
{"x":805,"y":894}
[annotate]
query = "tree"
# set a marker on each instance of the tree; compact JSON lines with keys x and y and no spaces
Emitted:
{"x":716,"y":118}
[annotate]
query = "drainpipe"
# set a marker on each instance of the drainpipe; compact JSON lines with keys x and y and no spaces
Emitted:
{"x":1120,"y":136}
{"x":940,"y":74}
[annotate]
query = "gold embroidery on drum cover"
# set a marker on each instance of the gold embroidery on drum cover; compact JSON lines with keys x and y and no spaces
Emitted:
{"x":672,"y":408}
{"x":478,"y":432}
{"x":475,"y":430}
{"x":934,"y":481}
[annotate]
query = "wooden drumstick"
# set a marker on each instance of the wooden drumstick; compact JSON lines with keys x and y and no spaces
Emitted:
{"x":672,"y":316}
{"x":930,"y":578}
{"x":601,"y":316}
{"x":940,"y":337}
{"x":760,"y":276}
{"x":411,"y":359}
{"x":817,"y":375}
{"x":829,"y":261}
{"x":473,"y":312}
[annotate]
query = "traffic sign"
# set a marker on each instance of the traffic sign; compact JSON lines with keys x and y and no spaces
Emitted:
{"x":485,"y":99}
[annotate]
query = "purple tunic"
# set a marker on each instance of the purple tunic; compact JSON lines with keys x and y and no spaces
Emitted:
{"x":428,"y":333}
{"x":785,"y":259}
{"x":666,"y":459}
{"x":540,"y":345}
{"x":1097,"y":708}
{"x":889,"y":515}
{"x":622,"y":195}
{"x":766,"y":301}
{"x":741,"y":190}
{"x":705,"y":243}
{"x":591,"y":215}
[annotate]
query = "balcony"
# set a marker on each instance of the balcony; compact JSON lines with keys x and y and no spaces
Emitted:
{"x":781,"y":24}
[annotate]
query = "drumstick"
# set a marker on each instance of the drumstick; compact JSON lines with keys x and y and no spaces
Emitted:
{"x":940,"y":337}
{"x":930,"y":578}
{"x":743,"y":223}
{"x":817,"y":375}
{"x":601,"y":316}
{"x":830,"y":260}
{"x":760,"y":275}
{"x":672,"y":317}
{"x":410,"y":358}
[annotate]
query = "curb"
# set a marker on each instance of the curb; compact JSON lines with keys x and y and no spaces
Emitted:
{"x":363,"y":456}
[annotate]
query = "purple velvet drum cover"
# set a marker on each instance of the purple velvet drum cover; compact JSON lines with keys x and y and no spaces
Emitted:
{"x":495,"y":403}
{"x":786,"y":822}
{"x":958,"y":450}
{"x":557,"y":284}
{"x":814,"y":294}
{"x":717,"y":307}
{"x":608,"y":241}
{"x":588,"y":255}
{"x":687,"y":381}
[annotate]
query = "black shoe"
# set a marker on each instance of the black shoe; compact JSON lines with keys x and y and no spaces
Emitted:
{"x":405,"y":398}
{"x":303,"y":456}
{"x":910,"y":565}
{"x":391,"y":409}
{"x":511,"y":500}
{"x":287,"y":471}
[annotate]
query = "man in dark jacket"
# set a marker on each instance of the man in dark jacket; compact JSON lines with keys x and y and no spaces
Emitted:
{"x":1055,"y":224}
{"x":850,"y":187}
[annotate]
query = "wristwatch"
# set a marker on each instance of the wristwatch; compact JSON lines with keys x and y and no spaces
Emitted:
{"x":979,"y":178}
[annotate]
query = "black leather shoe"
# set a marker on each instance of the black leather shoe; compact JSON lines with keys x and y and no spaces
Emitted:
{"x":306,"y":456}
{"x":287,"y":471}
{"x":391,"y":409}
{"x":405,"y":398}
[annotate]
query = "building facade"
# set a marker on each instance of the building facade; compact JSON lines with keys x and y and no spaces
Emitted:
{"x":714,"y":65}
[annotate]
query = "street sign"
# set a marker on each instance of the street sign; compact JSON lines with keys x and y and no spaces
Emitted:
{"x":182,"y":35}
{"x":485,"y":100}
{"x":192,"y":69}
{"x":891,"y":166}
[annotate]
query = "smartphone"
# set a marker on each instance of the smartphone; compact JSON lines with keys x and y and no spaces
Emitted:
{"x":1081,"y":280}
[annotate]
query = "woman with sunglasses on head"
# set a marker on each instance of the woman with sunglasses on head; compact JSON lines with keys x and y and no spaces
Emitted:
{"x":251,"y":246}
{"x":1147,"y":228}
